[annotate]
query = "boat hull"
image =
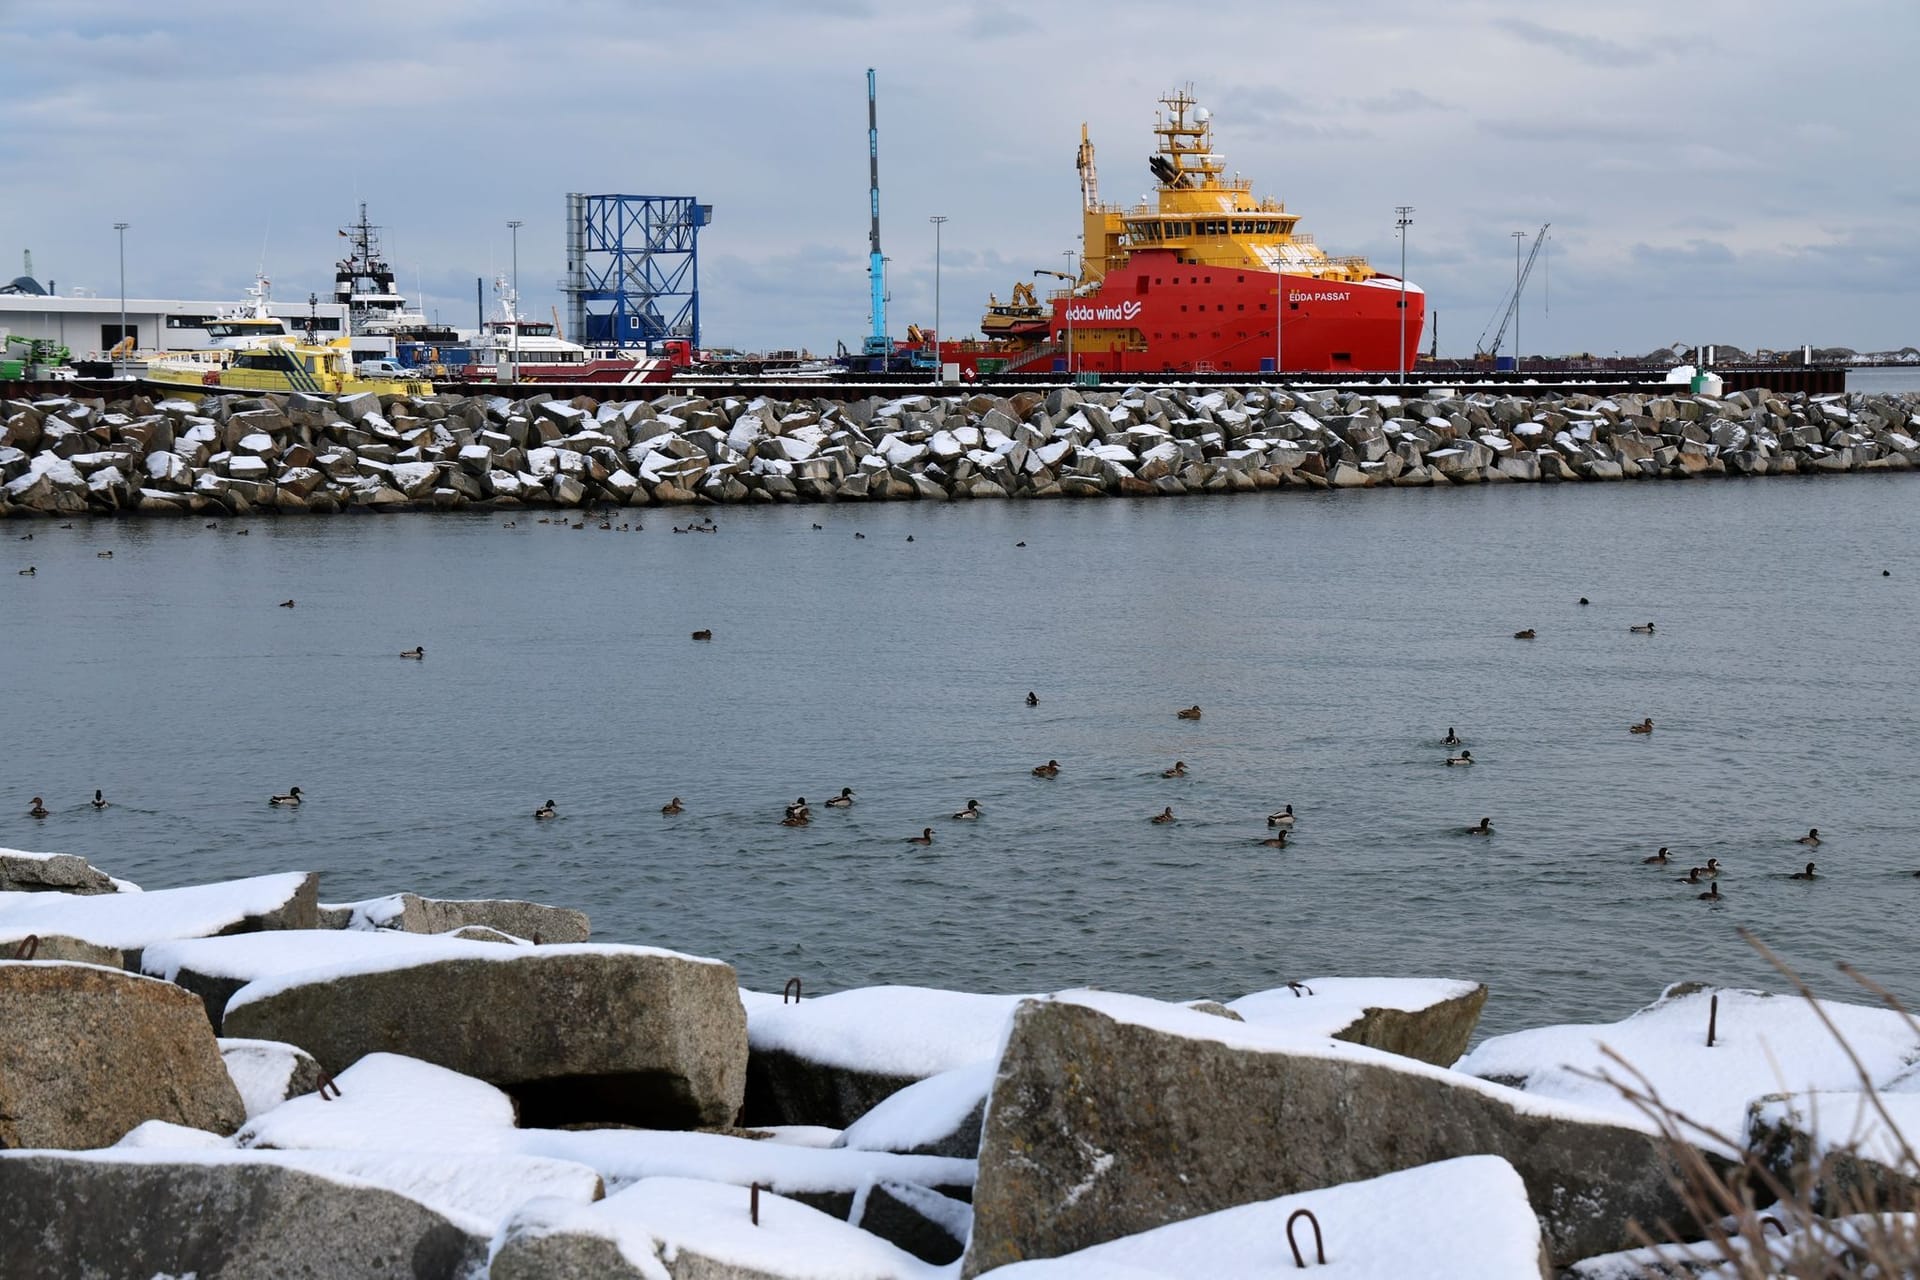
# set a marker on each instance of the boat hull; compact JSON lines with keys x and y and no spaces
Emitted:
{"x":1156,"y":315}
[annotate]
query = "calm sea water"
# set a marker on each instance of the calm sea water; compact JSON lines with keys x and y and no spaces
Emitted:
{"x":1331,"y":639}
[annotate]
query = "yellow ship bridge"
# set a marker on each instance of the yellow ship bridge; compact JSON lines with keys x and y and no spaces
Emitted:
{"x":1206,"y":219}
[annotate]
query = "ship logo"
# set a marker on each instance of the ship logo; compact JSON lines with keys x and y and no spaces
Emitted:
{"x":1128,"y":310}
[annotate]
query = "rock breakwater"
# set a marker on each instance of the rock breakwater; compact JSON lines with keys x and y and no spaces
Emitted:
{"x":304,"y":453}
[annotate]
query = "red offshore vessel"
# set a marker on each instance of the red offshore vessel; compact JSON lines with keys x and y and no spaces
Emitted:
{"x":1189,"y":283}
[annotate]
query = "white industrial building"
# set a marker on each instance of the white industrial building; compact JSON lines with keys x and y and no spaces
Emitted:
{"x":89,"y":327}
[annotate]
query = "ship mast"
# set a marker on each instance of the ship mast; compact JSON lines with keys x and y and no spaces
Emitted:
{"x":1089,"y":179}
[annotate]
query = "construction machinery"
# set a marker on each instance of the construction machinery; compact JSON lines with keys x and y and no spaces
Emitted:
{"x":1509,"y":308}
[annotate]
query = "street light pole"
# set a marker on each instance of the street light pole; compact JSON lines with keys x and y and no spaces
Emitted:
{"x":1073,"y":279}
{"x":1404,"y":221}
{"x":1518,"y":236}
{"x":938,"y":220}
{"x":514,"y":311}
{"x":121,"y":227}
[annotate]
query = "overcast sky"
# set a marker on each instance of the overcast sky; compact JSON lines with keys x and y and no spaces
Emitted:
{"x":1738,"y":171}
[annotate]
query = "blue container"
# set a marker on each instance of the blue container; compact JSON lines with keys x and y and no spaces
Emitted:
{"x":1266,"y":364}
{"x":1503,"y":364}
{"x":1059,"y":364}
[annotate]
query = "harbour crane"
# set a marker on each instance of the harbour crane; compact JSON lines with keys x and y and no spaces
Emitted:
{"x":1510,"y":307}
{"x":878,"y":345}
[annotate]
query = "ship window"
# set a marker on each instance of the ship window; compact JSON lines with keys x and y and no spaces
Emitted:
{"x":1240,"y":280}
{"x":1183,"y":306}
{"x":1263,"y":306}
{"x":1156,"y":279}
{"x":1241,"y":307}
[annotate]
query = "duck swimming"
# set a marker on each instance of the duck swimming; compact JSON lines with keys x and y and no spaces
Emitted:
{"x":1164,"y":816}
{"x":1278,"y":840}
{"x":291,"y":800}
{"x":99,"y":801}
{"x":28,"y":572}
{"x":971,"y":811}
{"x":1811,"y":838}
{"x":842,"y":801}
{"x":1281,"y":817}
{"x":286,"y":604}
{"x":1645,"y":726}
{"x":1179,"y":770}
{"x":1048,"y":770}
{"x":925,"y":837}
{"x":1033,"y":699}
{"x":672,"y":807}
{"x":1659,"y":859}
{"x":1524,"y":635}
{"x":1452,"y":739}
{"x":703,"y":634}
{"x":1645,"y":631}
{"x":1712,"y":868}
{"x":1692,"y":876}
{"x":1584,"y":600}
{"x":546,"y":811}
{"x":1712,"y":894}
{"x":796,"y":818}
{"x":1465,"y":757}
{"x":1191,"y":713}
{"x":38,"y":810}
{"x":1484,"y":829}
{"x":1804,"y":875}
{"x":418,"y":652}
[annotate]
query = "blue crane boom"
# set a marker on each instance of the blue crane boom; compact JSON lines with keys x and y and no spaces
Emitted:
{"x":878,"y":344}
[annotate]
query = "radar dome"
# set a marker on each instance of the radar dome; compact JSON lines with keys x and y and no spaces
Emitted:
{"x":1202,"y":115}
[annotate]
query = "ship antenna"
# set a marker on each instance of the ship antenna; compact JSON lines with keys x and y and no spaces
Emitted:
{"x":1089,"y":177}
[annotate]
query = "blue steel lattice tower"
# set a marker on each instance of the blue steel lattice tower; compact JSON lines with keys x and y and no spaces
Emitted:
{"x":633,"y":269}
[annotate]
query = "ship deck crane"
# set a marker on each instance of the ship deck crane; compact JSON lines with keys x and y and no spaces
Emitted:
{"x":1511,"y":306}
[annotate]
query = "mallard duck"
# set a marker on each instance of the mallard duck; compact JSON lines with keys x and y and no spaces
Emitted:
{"x":1485,"y":828}
{"x":103,"y":555}
{"x":1164,"y":816}
{"x":796,"y":818}
{"x":1191,"y":713}
{"x":1048,"y":770}
{"x":799,"y":809}
{"x":925,"y":836}
{"x":703,"y":634}
{"x":971,"y":811}
{"x":1659,"y":859}
{"x":1804,"y":875}
{"x":1811,"y":838}
{"x":842,"y":801}
{"x":1465,"y":757}
{"x":37,"y":809}
{"x":286,"y":604}
{"x":1281,"y":817}
{"x":1033,"y":699}
{"x":291,"y":800}
{"x":99,"y":801}
{"x":546,"y":811}
{"x":1645,"y":726}
{"x":1278,"y":840}
{"x":1712,"y":894}
{"x":1645,"y":631}
{"x":418,"y":652}
{"x":28,"y":572}
{"x":1524,"y":635}
{"x":1179,"y":770}
{"x":240,"y":533}
{"x":672,"y":807}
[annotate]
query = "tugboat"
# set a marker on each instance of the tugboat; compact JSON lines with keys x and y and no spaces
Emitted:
{"x":1191,"y":282}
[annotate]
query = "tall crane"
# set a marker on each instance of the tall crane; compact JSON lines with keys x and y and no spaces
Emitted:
{"x":878,"y":344}
{"x":1510,"y":307}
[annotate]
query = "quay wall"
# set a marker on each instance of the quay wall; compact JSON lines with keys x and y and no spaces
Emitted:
{"x":149,"y":451}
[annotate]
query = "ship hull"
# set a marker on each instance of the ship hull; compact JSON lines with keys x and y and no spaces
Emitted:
{"x":1155,"y":315}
